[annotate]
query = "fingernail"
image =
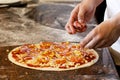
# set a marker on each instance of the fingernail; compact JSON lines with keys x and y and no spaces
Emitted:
{"x":88,"y":47}
{"x":81,"y":45}
{"x":80,"y":21}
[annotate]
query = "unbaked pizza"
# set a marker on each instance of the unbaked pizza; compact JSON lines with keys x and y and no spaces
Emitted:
{"x":53,"y":56}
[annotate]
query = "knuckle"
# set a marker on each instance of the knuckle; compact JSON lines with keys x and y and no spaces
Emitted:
{"x":99,"y":36}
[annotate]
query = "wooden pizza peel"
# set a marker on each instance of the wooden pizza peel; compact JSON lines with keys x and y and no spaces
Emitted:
{"x":104,"y":69}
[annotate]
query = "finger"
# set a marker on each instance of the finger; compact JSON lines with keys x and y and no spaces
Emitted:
{"x":73,"y":31}
{"x":90,"y":40}
{"x":77,"y":25}
{"x":92,"y":43}
{"x":86,"y":40}
{"x":84,"y":29}
{"x":72,"y":19}
{"x":106,"y":44}
{"x":68,"y":29}
{"x":81,"y":15}
{"x":100,"y":44}
{"x":74,"y":13}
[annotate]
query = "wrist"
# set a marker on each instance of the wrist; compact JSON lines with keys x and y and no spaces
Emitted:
{"x":116,"y":22}
{"x":95,"y":3}
{"x":98,"y":2}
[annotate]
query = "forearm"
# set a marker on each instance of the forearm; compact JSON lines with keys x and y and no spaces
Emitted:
{"x":116,"y":22}
{"x":93,"y":2}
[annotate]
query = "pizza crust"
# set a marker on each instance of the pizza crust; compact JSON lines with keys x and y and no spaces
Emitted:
{"x":55,"y":69}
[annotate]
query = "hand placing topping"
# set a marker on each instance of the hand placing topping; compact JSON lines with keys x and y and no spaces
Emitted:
{"x":79,"y":27}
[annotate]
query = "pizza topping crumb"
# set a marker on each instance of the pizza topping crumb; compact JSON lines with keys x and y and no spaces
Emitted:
{"x":7,"y":50}
{"x":60,"y":61}
{"x":27,"y":58}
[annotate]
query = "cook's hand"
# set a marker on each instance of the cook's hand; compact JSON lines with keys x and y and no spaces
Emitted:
{"x":103,"y":35}
{"x":81,"y":13}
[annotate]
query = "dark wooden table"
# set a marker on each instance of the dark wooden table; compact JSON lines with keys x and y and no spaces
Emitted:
{"x":104,"y":69}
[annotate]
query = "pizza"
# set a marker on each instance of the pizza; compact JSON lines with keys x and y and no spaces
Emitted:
{"x":53,"y":56}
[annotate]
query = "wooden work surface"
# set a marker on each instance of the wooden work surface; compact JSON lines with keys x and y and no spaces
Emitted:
{"x":24,"y":25}
{"x":104,"y":69}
